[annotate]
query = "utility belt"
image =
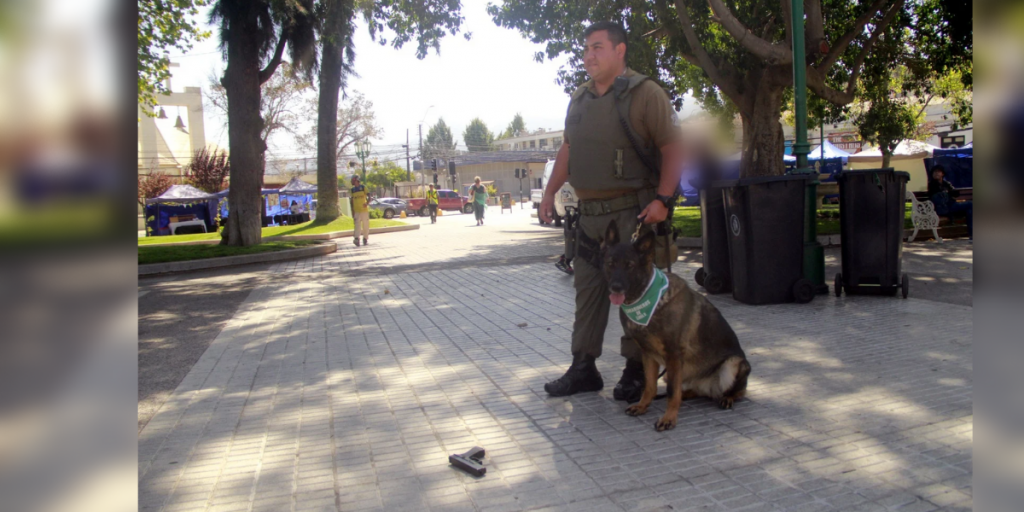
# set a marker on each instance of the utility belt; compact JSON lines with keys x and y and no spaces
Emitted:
{"x":588,"y":249}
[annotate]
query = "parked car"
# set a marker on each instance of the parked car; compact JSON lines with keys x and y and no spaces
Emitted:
{"x":448,"y":200}
{"x":389,"y":206}
{"x":565,"y":200}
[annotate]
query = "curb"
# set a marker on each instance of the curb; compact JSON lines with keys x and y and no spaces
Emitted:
{"x":232,"y":261}
{"x":286,"y":238}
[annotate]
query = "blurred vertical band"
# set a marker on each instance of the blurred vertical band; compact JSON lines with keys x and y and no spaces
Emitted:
{"x":999,"y":257}
{"x":68,"y":303}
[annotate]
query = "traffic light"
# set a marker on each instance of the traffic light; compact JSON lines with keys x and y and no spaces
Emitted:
{"x":435,"y":180}
{"x":451,"y":168}
{"x":517,"y":173}
{"x":433,"y":165}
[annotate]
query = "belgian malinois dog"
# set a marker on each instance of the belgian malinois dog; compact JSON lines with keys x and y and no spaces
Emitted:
{"x":674,"y":327}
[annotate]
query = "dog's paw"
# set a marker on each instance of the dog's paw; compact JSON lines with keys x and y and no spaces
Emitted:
{"x":725,"y":403}
{"x":665,"y":423}
{"x":636,"y":410}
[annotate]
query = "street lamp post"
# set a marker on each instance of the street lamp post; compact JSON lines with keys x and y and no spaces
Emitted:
{"x":363,"y":151}
{"x":420,"y":155}
{"x":814,"y":254}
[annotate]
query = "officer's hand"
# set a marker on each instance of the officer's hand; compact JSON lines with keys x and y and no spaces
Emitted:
{"x":547,"y":208}
{"x":654,"y":213}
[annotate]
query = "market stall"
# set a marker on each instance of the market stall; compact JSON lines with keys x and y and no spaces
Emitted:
{"x":908,"y":156}
{"x":179,"y":210}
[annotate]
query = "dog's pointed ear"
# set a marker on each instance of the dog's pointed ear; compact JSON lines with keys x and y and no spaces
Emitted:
{"x":645,"y":243}
{"x":611,"y":234}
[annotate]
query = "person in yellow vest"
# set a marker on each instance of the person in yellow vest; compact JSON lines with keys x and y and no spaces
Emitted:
{"x":432,"y":203}
{"x":360,"y":212}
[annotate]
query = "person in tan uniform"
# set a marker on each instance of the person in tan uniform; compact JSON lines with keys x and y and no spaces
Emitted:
{"x":621,"y":154}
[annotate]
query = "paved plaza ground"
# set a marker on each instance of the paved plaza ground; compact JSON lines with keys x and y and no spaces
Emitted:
{"x":343,"y":382}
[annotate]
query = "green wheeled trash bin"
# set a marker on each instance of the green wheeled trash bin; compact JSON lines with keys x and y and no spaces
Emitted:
{"x":765,"y":228}
{"x":715,"y":276}
{"x":871,"y":216}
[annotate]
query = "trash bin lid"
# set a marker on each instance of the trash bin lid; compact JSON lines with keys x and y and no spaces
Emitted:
{"x":760,"y":180}
{"x":860,"y":172}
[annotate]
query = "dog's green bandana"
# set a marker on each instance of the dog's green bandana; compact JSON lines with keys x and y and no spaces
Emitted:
{"x":641,"y":311}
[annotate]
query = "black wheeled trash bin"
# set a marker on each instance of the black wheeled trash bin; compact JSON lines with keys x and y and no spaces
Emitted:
{"x":871,"y":213}
{"x":765,"y":223}
{"x":715,"y":276}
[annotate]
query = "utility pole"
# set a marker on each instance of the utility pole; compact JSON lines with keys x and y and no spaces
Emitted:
{"x":363,"y":151}
{"x":814,"y":254}
{"x":408,"y":169}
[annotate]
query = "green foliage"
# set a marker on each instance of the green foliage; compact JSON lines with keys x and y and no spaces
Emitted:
{"x":492,"y":191}
{"x":384,"y":176}
{"x":734,"y":57}
{"x":426,"y":22}
{"x":515,"y":128}
{"x":166,"y":254}
{"x":163,"y":26}
{"x":439,"y":142}
{"x":376,"y":214}
{"x":477,"y":137}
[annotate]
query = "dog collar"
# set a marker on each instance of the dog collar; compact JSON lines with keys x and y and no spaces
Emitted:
{"x":642,"y":309}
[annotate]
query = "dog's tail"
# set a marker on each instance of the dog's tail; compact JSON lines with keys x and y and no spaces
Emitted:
{"x":739,"y":384}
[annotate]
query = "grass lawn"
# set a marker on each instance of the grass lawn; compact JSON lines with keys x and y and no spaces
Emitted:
{"x":198,"y":252}
{"x":307,"y":228}
{"x":687,"y":220}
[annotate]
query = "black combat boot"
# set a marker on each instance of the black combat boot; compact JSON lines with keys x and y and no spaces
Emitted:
{"x":631,"y":385}
{"x":582,"y":376}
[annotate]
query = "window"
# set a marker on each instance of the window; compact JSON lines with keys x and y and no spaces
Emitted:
{"x":557,"y":142}
{"x":543,"y":143}
{"x":533,"y":144}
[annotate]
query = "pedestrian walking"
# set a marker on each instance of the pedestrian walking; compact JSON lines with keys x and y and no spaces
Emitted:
{"x":432,"y":203}
{"x":621,"y":154}
{"x":479,"y":194}
{"x":360,"y":212}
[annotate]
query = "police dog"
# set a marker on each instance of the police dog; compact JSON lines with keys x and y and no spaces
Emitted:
{"x":685,"y":333}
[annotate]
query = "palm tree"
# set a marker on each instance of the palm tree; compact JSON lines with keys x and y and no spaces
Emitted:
{"x":337,"y":56}
{"x":253,"y":36}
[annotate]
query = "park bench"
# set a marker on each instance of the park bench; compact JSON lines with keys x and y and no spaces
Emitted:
{"x":923,"y":213}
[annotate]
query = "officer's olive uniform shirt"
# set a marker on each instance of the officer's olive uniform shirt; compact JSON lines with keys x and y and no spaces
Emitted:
{"x":650,"y":114}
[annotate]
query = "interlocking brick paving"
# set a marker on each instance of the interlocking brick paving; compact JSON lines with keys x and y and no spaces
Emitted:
{"x":344,"y":385}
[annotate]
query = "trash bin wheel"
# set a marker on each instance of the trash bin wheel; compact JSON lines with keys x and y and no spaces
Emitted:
{"x":713,"y":283}
{"x":905,"y":285}
{"x":699,"y":276}
{"x":803,"y":291}
{"x":839,"y":285}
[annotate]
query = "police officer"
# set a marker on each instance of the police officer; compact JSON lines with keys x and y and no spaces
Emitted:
{"x":617,"y":123}
{"x":432,"y":201}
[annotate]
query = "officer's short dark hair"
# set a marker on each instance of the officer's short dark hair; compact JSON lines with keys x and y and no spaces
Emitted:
{"x":616,"y":34}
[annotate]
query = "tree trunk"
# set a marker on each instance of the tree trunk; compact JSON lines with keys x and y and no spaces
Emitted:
{"x":242,"y":84}
{"x":763,"y":144}
{"x":327,"y":110}
{"x":885,"y":159}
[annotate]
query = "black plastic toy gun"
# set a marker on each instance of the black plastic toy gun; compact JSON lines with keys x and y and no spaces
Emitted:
{"x":469,"y":461}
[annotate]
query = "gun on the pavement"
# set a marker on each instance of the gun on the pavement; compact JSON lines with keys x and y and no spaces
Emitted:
{"x":469,"y":461}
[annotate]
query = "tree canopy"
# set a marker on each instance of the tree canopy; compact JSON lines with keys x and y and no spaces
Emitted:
{"x":733,"y":57}
{"x":477,"y":137}
{"x":439,"y":143}
{"x":515,"y":128}
{"x":163,"y":26}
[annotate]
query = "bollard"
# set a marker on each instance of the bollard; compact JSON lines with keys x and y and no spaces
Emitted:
{"x":402,"y":215}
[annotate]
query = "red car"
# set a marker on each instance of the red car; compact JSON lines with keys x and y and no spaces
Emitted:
{"x":448,"y":200}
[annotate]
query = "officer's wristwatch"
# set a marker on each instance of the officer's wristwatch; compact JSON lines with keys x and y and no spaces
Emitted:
{"x":665,"y":200}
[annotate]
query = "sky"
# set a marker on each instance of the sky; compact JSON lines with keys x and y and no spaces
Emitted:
{"x":492,"y":76}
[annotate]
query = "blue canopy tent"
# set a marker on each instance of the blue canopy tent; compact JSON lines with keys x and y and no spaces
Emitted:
{"x":180,"y":201}
{"x":222,"y":197}
{"x":957,"y":162}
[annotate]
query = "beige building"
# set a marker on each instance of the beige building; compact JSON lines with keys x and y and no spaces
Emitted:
{"x":166,"y":143}
{"x":499,"y":167}
{"x":541,"y":140}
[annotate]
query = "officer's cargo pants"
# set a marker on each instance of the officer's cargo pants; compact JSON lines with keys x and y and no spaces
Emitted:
{"x":592,"y":303}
